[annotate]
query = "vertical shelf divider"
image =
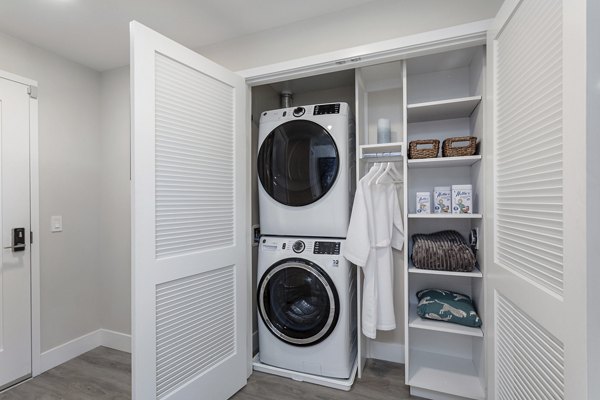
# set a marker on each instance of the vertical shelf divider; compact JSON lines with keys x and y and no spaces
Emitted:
{"x":361,"y":137}
{"x":405,"y":221}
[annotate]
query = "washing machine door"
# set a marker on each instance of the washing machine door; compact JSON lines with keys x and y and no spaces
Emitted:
{"x":298,"y":163}
{"x":298,"y":302}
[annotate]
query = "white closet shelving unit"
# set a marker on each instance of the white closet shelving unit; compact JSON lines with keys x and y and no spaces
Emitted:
{"x":444,"y":92}
{"x":431,"y":97}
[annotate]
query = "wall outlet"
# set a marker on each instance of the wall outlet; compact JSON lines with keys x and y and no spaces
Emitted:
{"x":255,"y":235}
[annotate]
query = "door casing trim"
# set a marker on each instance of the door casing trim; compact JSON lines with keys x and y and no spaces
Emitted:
{"x":34,"y":210}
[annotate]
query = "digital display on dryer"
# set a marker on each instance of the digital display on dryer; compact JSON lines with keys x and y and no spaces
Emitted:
{"x":327,"y":248}
{"x":327,"y":109}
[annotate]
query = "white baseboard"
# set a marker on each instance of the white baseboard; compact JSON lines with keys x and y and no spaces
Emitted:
{"x":67,"y":351}
{"x":76,"y":347}
{"x":116,"y":340}
{"x":393,"y":352}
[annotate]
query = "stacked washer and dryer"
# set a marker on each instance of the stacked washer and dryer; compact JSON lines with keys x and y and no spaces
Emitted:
{"x":306,"y":293}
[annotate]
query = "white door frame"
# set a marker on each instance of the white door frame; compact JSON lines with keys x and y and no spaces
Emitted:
{"x":36,"y":346}
{"x":420,"y":44}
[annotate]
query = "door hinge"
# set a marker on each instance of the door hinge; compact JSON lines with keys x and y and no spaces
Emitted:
{"x":32,"y":91}
{"x":30,"y":237}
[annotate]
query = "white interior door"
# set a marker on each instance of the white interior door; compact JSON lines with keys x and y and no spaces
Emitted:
{"x":536,"y":273}
{"x":189,"y":214}
{"x":15,"y":268}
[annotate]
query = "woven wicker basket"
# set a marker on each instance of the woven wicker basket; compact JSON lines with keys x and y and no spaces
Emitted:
{"x":423,"y":148}
{"x":442,"y":251}
{"x":452,"y":147}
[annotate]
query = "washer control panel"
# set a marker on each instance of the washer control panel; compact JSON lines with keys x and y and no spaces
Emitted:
{"x":295,"y":246}
{"x":327,"y":248}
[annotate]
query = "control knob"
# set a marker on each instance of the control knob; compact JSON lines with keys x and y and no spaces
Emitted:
{"x":299,"y":111}
{"x":298,"y":246}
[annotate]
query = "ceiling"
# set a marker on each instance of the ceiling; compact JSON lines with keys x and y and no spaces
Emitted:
{"x":95,"y":33}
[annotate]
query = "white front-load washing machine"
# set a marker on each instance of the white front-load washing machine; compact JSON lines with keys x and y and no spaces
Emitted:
{"x":306,"y":299}
{"x":306,"y":170}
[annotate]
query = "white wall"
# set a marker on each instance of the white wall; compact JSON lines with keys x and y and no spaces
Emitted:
{"x":69,"y":138}
{"x":348,"y":28}
{"x":115,"y":242}
{"x":593,"y":186}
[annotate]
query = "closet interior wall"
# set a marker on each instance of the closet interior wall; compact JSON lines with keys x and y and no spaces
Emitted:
{"x":263,"y":98}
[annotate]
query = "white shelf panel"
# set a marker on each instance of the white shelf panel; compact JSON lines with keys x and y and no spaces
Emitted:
{"x":416,"y":322}
{"x":476,"y":273}
{"x":382,"y":150}
{"x":444,"y":162}
{"x":445,"y":374}
{"x":444,"y":109}
{"x":382,"y":147}
{"x":446,"y":216}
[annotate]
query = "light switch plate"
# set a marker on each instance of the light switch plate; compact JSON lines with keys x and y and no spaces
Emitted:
{"x":56,"y":223}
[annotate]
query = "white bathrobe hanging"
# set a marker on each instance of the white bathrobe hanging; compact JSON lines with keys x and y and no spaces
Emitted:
{"x":375,"y":227}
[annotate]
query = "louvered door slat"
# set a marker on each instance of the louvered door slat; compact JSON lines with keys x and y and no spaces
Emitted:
{"x":179,"y":93}
{"x":208,"y":336}
{"x":529,"y":359}
{"x":529,"y":102}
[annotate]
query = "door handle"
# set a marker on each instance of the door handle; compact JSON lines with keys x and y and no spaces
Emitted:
{"x":18,"y":239}
{"x":20,"y":247}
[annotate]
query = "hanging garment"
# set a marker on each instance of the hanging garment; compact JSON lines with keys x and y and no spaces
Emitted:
{"x":375,"y":227}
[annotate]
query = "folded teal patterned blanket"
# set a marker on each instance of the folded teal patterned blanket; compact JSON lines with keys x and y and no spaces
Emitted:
{"x":444,"y":305}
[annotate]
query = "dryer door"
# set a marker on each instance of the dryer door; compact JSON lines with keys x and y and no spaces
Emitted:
{"x":298,"y":302}
{"x":298,"y":163}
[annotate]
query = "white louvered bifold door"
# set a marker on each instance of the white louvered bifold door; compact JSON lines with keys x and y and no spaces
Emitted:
{"x":535,"y":273}
{"x":188,"y":216}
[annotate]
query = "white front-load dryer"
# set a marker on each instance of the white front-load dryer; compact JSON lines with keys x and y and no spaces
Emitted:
{"x":306,"y":170}
{"x":306,"y":299}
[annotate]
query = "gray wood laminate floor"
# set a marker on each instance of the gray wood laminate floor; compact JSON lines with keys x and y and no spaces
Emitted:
{"x":105,"y":374}
{"x":381,"y":381}
{"x":100,"y":374}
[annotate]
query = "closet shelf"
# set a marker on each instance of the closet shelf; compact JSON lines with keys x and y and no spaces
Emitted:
{"x":445,"y":374}
{"x":381,"y":150}
{"x":446,"y":216}
{"x":416,"y":322}
{"x":443,"y":109}
{"x":444,"y":162}
{"x":476,"y":273}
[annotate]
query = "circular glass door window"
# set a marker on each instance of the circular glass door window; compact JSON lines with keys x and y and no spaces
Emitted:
{"x":298,"y":163}
{"x":298,"y":302}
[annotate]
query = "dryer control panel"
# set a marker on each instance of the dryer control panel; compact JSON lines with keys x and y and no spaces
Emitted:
{"x":327,"y":248}
{"x":322,"y":109}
